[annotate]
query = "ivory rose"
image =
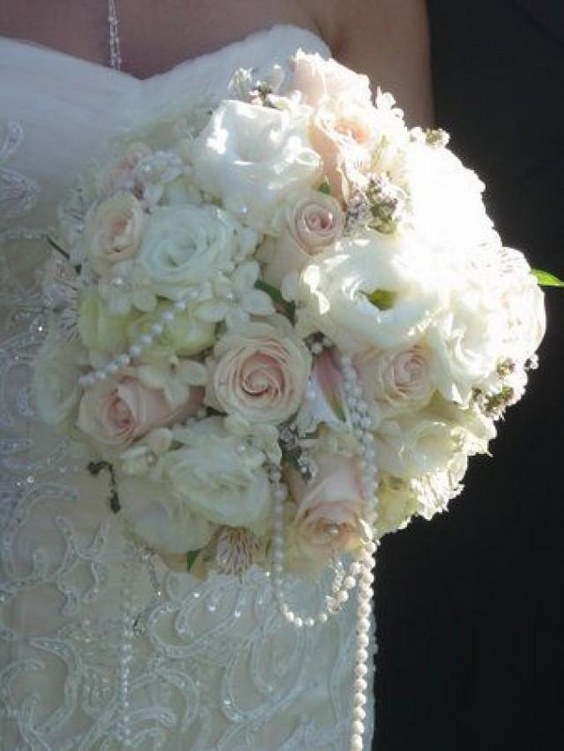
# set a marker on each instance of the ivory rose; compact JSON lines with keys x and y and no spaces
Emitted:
{"x":260,"y":372}
{"x":329,"y":507}
{"x":160,"y":518}
{"x":113,"y":231}
{"x":118,"y":412}
{"x":186,"y":246}
{"x":311,"y":222}
{"x":219,"y":476}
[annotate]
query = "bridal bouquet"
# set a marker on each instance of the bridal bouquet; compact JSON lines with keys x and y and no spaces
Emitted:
{"x":290,"y":305}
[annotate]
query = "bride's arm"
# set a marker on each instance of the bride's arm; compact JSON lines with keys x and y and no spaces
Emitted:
{"x":389,"y":41}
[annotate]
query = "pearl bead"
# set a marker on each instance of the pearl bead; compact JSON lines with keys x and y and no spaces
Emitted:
{"x":135,"y":350}
{"x":357,"y":727}
{"x":360,"y":684}
{"x":359,"y":713}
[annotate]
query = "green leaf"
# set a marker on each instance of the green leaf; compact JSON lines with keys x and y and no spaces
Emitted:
{"x":383,"y":299}
{"x":191,"y":556}
{"x":325,"y":187}
{"x":545,"y":279}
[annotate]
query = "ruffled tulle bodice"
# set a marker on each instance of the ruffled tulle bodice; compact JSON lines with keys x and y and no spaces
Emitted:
{"x":99,"y":642}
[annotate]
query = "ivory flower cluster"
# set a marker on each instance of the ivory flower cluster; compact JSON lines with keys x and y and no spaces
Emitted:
{"x":224,"y":261}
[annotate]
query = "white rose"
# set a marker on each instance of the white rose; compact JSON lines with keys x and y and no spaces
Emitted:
{"x":260,"y":372}
{"x":372,"y":291}
{"x":397,"y":503}
{"x":160,"y":518}
{"x":445,"y":198}
{"x":185,"y":246}
{"x":113,"y":232}
{"x":414,"y":445}
{"x":251,"y":157}
{"x":467,"y":339}
{"x":220,"y":476}
{"x":522,"y":301}
{"x":311,"y":222}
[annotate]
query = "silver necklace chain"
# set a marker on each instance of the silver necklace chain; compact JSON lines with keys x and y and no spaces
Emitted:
{"x":114,"y":40}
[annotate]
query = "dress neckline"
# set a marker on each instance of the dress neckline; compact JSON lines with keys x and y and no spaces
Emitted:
{"x":107,"y":71}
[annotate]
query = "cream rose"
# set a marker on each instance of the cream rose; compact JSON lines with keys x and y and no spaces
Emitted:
{"x":329,"y":507}
{"x":311,"y":222}
{"x":220,"y":476}
{"x":98,"y":328}
{"x":251,"y":157}
{"x":185,"y":246}
{"x":118,"y":412}
{"x":260,"y":372}
{"x":113,"y":231}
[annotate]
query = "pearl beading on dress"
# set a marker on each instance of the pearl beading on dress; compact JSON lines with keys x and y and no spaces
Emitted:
{"x":114,"y":40}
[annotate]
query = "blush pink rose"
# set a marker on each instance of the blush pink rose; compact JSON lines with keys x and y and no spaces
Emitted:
{"x":311,"y":223}
{"x":261,"y":372}
{"x":319,"y":79}
{"x":343,"y":135}
{"x":113,"y":231}
{"x":400,"y":377}
{"x":118,"y":413}
{"x":120,"y":175}
{"x":329,"y":508}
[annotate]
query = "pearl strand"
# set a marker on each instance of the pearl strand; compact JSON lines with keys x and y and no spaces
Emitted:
{"x":361,"y":425}
{"x":137,"y":348}
{"x":361,"y":567}
{"x":341,"y":584}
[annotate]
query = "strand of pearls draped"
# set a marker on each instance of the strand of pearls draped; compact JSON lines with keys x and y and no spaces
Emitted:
{"x":359,"y":572}
{"x":145,"y":340}
{"x":114,"y":40}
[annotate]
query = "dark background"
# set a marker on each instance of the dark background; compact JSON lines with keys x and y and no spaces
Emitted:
{"x":470,"y":606}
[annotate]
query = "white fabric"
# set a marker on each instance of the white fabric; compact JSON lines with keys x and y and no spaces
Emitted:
{"x":213,"y":665}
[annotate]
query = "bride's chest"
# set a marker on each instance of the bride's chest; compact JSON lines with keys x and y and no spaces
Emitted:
{"x":154,"y":37}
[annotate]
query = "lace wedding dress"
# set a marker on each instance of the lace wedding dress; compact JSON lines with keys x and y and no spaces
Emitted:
{"x":102,"y":647}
